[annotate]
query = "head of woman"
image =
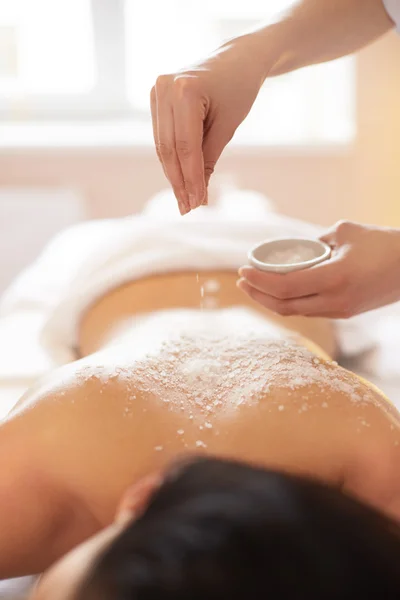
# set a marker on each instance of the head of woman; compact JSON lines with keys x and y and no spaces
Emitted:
{"x":223,"y":530}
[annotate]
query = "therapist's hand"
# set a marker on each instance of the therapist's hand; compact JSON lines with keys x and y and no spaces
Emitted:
{"x":362,"y":274}
{"x":196,"y":111}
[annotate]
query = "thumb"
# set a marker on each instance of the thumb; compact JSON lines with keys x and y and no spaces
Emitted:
{"x":329,"y":237}
{"x":214,"y":144}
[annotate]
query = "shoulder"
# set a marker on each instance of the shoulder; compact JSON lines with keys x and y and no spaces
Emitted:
{"x":371,"y":471}
{"x":80,"y":381}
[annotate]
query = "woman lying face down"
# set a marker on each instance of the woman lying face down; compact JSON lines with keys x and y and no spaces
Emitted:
{"x":230,"y":384}
{"x":224,"y":530}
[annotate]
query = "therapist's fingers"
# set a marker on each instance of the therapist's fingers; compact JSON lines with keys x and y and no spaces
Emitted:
{"x":330,"y":306}
{"x":309,"y":306}
{"x":170,"y":160}
{"x":214,"y":143}
{"x":189,"y":113}
{"x":308,"y":282}
{"x":164,"y":138}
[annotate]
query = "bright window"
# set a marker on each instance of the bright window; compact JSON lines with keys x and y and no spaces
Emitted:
{"x":47,"y":47}
{"x":97,"y":59}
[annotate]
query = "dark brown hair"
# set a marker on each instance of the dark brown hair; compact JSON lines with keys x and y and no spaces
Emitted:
{"x":219,"y":530}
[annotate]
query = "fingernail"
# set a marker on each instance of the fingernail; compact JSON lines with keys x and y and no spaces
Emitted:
{"x":183,"y":201}
{"x":201,"y":197}
{"x":192,"y":201}
{"x":183,"y":208}
{"x":242,"y":271}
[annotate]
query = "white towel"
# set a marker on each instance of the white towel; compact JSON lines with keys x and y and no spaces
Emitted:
{"x":86,"y":261}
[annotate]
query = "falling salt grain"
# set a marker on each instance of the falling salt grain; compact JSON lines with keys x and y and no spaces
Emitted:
{"x":158,"y":448}
{"x":208,"y":425}
{"x":211,"y":286}
{"x":324,"y":405}
{"x":281,"y":407}
{"x":316,"y":361}
{"x":180,"y":432}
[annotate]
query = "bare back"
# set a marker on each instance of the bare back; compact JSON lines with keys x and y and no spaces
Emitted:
{"x":228,"y":381}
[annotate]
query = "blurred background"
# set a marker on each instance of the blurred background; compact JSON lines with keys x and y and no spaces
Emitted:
{"x":75,"y":133}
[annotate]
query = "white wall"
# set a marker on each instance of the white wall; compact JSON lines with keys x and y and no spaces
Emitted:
{"x":361,"y":182}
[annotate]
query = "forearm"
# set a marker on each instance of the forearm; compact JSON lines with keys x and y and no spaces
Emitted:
{"x":315,"y":31}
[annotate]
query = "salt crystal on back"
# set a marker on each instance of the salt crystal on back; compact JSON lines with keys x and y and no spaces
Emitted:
{"x":214,"y":372}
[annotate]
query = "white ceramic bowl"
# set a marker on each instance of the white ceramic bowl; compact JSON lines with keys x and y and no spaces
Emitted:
{"x":259,"y":255}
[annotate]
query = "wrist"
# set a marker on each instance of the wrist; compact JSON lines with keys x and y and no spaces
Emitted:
{"x":263,"y":49}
